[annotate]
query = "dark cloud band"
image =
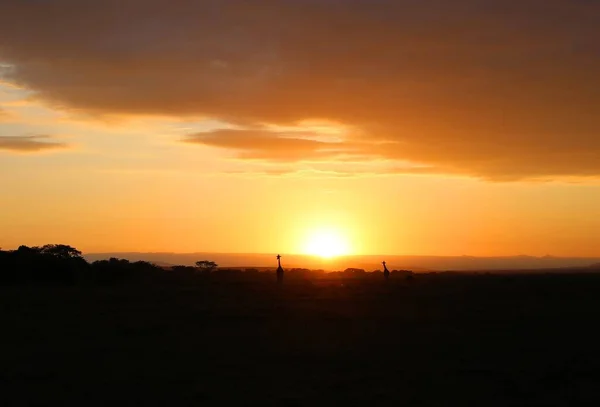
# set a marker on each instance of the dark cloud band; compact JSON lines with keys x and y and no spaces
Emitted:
{"x":500,"y":90}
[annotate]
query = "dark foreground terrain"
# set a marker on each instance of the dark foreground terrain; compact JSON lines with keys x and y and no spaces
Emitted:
{"x":434,"y":341}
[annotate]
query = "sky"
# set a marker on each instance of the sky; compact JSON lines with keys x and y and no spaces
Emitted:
{"x":429,"y":127}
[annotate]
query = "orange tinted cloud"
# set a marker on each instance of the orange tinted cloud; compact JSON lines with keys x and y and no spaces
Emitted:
{"x":277,"y":146}
{"x":498,"y":90}
{"x":29,"y":144}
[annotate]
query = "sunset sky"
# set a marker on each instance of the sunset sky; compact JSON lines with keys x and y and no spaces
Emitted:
{"x":437,"y":127}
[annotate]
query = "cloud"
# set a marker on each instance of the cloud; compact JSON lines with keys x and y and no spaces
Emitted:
{"x":261,"y":144}
{"x":497,"y":90}
{"x":29,"y":144}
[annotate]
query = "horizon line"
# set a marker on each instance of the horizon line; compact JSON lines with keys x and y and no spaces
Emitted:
{"x":344,"y":255}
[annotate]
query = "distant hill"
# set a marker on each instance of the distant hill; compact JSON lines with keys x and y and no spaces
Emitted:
{"x":371,"y":262}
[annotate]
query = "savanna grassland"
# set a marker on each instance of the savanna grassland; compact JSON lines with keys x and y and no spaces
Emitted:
{"x":434,"y":340}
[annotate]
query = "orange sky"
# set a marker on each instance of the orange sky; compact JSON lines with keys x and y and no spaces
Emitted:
{"x":430,"y":127}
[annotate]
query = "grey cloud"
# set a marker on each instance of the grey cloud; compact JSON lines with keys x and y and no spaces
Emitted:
{"x":29,"y":144}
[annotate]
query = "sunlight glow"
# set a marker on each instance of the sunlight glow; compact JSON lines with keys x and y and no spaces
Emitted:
{"x":326,"y":243}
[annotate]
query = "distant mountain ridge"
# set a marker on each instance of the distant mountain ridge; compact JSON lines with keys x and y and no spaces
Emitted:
{"x":367,"y":262}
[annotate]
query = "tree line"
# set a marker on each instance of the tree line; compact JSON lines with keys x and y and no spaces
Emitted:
{"x":64,"y":264}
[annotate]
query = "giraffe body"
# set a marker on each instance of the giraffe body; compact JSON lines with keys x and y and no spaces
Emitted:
{"x":279,"y":270}
{"x":386,"y":272}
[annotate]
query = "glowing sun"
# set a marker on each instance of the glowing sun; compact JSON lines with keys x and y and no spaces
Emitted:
{"x":326,"y":243}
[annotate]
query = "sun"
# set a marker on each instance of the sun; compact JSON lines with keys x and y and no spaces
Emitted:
{"x":326,"y":243}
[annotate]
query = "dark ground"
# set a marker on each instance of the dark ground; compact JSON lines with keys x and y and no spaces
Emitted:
{"x":436,"y":341}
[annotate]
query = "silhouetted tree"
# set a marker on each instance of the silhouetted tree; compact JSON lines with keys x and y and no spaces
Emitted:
{"x":229,"y":273}
{"x":354,"y":272}
{"x":206,"y":265}
{"x":61,"y":251}
{"x":183,"y":269}
{"x":115,"y":270}
{"x":47,"y":264}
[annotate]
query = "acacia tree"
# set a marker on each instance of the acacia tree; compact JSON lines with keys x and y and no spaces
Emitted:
{"x":61,"y":251}
{"x":206,"y":265}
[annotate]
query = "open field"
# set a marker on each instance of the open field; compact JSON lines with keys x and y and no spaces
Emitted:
{"x":487,"y":340}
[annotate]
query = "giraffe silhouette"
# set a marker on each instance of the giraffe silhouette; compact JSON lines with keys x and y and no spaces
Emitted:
{"x":386,"y":272}
{"x":279,"y":270}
